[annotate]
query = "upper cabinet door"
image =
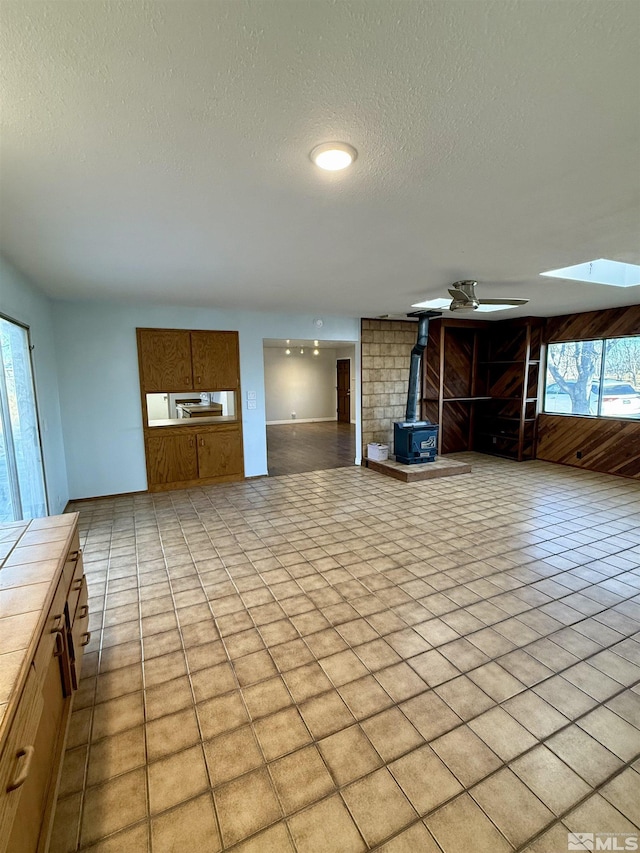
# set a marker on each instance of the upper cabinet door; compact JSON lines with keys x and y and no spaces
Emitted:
{"x":216,"y":365}
{"x":165,"y":359}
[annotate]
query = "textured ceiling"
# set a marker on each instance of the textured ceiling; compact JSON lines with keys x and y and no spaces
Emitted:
{"x":159,"y":150}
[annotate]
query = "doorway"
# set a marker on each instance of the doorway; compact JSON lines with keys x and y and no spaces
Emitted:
{"x":310,"y":414}
{"x":22,"y":489}
{"x":343,"y":387}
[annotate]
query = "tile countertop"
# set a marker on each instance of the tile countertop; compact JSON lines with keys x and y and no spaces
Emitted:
{"x":32,"y":556}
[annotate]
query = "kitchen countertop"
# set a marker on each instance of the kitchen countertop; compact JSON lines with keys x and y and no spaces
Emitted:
{"x":32,"y":556}
{"x":214,"y":407}
{"x":196,"y":422}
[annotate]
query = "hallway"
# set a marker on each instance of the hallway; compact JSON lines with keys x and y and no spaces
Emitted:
{"x":295,"y":449}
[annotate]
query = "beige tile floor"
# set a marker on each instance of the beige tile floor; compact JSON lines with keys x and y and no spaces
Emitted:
{"x":338,"y":661}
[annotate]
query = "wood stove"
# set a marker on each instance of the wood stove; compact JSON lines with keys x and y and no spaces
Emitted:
{"x":416,"y":441}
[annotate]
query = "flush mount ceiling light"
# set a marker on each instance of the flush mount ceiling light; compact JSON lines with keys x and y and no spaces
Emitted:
{"x":333,"y":156}
{"x":600,"y":271}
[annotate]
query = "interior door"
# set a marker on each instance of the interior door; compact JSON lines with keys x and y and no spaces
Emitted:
{"x":343,"y":386}
{"x":215,"y":361}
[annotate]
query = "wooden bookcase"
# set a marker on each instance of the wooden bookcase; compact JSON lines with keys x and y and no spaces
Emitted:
{"x":506,"y":423}
{"x":480,"y":383}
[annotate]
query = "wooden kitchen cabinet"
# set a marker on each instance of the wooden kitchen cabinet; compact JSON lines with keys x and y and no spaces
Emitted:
{"x":165,"y":360}
{"x":205,"y":447}
{"x":182,"y":457}
{"x":220,"y":453}
{"x":184,"y":360}
{"x":51,"y":618}
{"x":215,"y":360}
{"x":172,"y":457}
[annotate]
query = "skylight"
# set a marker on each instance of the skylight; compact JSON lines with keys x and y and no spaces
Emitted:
{"x":601,"y":271}
{"x":443,"y":305}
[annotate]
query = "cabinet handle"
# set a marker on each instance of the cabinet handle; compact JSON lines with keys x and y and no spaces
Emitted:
{"x":77,"y":584}
{"x":27,"y":753}
{"x":59,"y":649}
{"x":190,"y":442}
{"x":187,"y":380}
{"x":84,"y":610}
{"x":56,"y":623}
{"x":86,"y":638}
{"x":197,"y":380}
{"x":74,"y":556}
{"x":202,"y":442}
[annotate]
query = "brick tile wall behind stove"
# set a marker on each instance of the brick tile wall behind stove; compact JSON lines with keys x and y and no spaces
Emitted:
{"x":386,"y":354}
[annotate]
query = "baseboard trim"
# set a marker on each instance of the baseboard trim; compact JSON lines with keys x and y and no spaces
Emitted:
{"x":301,"y":421}
{"x":105,"y":497}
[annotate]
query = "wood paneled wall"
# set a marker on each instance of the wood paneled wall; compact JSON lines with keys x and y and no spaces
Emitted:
{"x":611,"y":323}
{"x":605,"y":444}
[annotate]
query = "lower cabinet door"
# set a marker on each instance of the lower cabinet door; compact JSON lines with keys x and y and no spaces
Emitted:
{"x":172,"y":458}
{"x":43,"y":747}
{"x":220,"y":453}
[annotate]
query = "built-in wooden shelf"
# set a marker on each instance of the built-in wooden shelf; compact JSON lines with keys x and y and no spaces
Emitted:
{"x":478,"y":375}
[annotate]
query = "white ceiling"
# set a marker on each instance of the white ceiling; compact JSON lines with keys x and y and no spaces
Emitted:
{"x":159,"y":150}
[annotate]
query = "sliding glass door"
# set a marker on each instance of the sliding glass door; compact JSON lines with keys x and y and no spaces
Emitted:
{"x":22,"y":490}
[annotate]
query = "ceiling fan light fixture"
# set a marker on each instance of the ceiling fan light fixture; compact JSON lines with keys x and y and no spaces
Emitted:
{"x":463,"y":299}
{"x":464,"y":306}
{"x":333,"y":156}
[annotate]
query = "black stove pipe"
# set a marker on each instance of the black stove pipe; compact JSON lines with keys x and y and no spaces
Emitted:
{"x":413,"y":395}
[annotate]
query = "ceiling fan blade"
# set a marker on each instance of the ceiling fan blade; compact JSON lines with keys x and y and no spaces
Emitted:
{"x":458,"y":294}
{"x":503,"y":301}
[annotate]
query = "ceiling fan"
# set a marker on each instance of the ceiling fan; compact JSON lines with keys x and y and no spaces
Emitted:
{"x":463,"y":297}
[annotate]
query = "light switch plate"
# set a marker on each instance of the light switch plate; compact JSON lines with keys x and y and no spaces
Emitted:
{"x":251,"y":404}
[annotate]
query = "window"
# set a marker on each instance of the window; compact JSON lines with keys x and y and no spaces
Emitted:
{"x":22,"y":493}
{"x":600,"y":378}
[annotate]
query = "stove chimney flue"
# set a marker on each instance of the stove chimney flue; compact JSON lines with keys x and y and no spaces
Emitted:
{"x":413,"y":393}
{"x":415,"y":440}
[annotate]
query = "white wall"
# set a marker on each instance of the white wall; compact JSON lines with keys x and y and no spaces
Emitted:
{"x":100,"y":392}
{"x":304,"y":384}
{"x":23,"y":302}
{"x":350,"y":353}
